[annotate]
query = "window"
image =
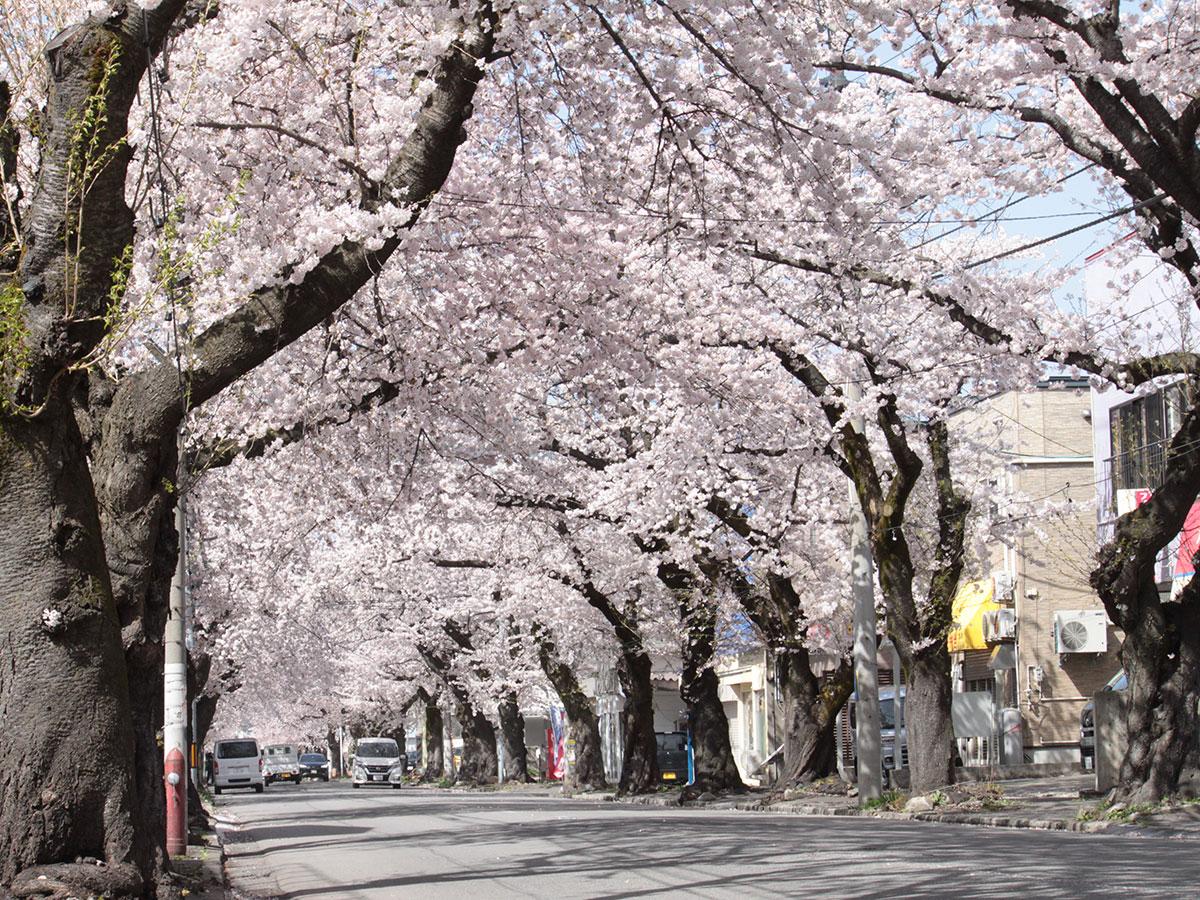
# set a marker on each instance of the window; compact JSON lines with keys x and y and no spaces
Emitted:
{"x":378,"y":749}
{"x":237,"y":749}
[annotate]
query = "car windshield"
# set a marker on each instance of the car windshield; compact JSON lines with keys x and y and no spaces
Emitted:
{"x":313,"y":758}
{"x":279,"y":751}
{"x":887,"y":713}
{"x":378,"y":749}
{"x":672,"y":742}
{"x":237,"y":749}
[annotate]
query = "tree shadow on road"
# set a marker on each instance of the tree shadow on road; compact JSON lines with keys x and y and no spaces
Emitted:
{"x":589,"y":849}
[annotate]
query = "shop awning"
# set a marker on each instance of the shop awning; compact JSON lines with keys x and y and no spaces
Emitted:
{"x":970,"y":603}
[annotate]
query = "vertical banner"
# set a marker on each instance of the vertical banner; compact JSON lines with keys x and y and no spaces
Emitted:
{"x":556,"y":750}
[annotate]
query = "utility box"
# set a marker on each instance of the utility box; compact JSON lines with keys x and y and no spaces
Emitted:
{"x":1012,"y":744}
{"x":1112,"y":740}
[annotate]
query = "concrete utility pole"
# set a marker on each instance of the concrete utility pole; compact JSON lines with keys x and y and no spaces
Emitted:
{"x":866,"y":673}
{"x":175,"y":705}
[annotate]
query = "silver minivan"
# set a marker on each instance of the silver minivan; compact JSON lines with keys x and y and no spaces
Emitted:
{"x":378,"y":761}
{"x":237,"y":763}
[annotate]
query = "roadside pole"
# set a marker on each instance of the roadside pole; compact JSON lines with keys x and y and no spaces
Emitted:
{"x":175,"y":705}
{"x":866,"y":674}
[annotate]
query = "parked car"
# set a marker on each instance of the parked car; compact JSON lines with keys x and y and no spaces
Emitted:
{"x":281,"y":762}
{"x":237,"y":764}
{"x":673,"y":756}
{"x":1087,"y":722}
{"x":847,"y":721}
{"x":314,"y":765}
{"x":378,"y":761}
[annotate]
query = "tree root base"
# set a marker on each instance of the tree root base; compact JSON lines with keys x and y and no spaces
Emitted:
{"x":83,"y":878}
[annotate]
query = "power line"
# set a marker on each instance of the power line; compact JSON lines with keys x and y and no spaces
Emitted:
{"x":1125,"y":210}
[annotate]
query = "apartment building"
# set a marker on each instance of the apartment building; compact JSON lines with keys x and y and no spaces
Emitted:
{"x":1042,"y":644}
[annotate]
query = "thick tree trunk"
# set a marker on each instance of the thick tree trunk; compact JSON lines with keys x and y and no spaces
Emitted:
{"x":587,"y":771}
{"x":810,"y":707}
{"x":67,"y":752}
{"x":512,"y":732}
{"x":435,"y":761}
{"x":1162,"y":660}
{"x":479,"y":762}
{"x":335,"y":753}
{"x":715,"y":768}
{"x":927,"y":720}
{"x":1161,"y":653}
{"x":639,"y":769}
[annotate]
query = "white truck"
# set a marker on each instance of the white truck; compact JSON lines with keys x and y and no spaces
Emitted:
{"x":281,"y":762}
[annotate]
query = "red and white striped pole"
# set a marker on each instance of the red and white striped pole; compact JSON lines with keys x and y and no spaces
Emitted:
{"x":175,"y":699}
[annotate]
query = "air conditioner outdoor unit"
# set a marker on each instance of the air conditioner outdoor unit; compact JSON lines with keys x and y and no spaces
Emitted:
{"x":1080,"y":631}
{"x":999,"y":625}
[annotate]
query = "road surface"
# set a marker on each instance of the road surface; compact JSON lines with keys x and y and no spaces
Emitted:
{"x":328,"y":841}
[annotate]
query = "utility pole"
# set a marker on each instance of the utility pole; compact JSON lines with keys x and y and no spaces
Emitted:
{"x":175,"y":705}
{"x":866,"y":672}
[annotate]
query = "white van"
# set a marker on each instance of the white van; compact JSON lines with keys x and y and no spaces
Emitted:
{"x":237,"y":764}
{"x":378,"y":761}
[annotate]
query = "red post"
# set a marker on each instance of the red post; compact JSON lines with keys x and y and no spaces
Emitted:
{"x":175,"y":772}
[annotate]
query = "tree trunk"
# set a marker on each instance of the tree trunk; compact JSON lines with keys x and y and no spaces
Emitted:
{"x":927,"y":720}
{"x":479,"y":763}
{"x":587,"y":771}
{"x":715,"y":768}
{"x":639,"y":769}
{"x":67,"y":753}
{"x":1161,"y":653}
{"x":435,"y":761}
{"x":810,"y":707}
{"x":512,"y":732}
{"x":1162,"y":660}
{"x":335,"y":753}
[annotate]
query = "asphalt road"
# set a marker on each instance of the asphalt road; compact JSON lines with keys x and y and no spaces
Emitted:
{"x":328,"y":841}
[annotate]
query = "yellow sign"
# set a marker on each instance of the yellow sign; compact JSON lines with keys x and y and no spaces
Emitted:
{"x":970,"y":603}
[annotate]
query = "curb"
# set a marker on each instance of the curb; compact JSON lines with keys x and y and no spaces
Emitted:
{"x":1013,"y":822}
{"x":800,"y":809}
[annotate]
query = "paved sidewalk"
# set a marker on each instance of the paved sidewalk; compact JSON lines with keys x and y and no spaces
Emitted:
{"x":1056,"y":803}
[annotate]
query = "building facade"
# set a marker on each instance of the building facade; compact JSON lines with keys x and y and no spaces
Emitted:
{"x":1046,"y":645}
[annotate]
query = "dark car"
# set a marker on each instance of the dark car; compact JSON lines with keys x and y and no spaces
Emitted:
{"x":314,"y":765}
{"x":673,"y":756}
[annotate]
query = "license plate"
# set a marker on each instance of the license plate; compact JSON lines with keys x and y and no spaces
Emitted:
{"x":668,"y":776}
{"x":377,"y":778}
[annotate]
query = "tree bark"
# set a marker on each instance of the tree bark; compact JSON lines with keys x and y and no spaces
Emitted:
{"x":715,"y":768}
{"x":1161,"y":653}
{"x":810,"y":708}
{"x":639,"y":768}
{"x":479,"y":762}
{"x":512,"y":732}
{"x":587,"y":771}
{"x":927,"y":721}
{"x":335,"y":753}
{"x":67,"y":753}
{"x":435,"y":761}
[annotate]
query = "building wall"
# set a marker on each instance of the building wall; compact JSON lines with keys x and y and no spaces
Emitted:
{"x":1046,"y":437}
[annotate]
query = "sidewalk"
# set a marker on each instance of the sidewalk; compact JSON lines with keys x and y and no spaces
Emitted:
{"x":200,"y":875}
{"x":1057,"y":803}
